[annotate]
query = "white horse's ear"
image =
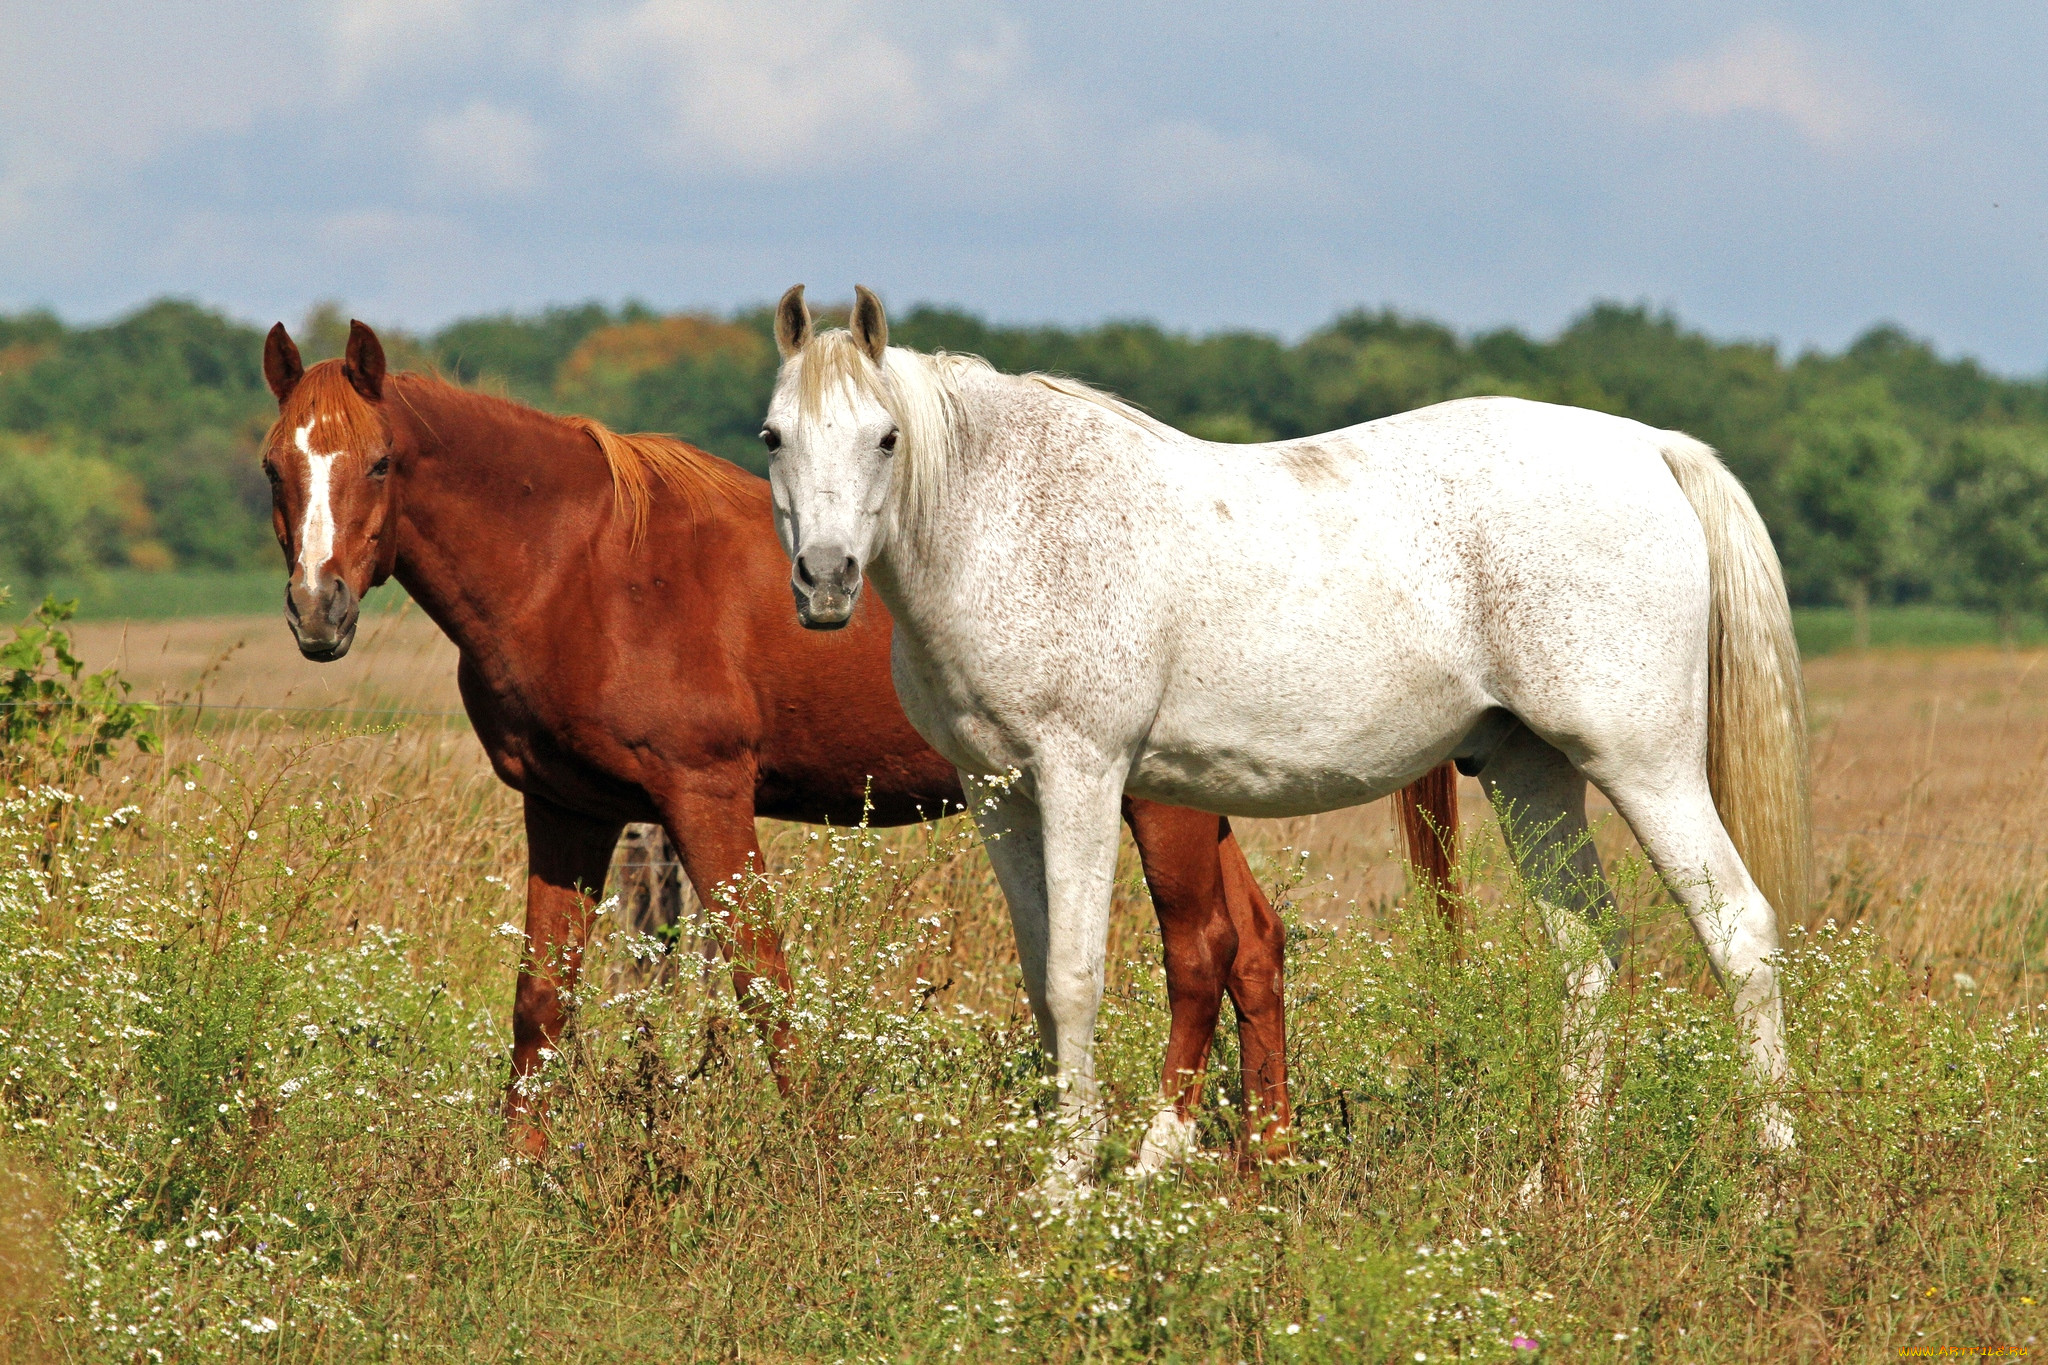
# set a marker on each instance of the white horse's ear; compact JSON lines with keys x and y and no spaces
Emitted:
{"x":870,"y":325}
{"x":792,"y":322}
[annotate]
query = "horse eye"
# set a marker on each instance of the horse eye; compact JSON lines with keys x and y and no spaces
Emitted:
{"x":381,"y":468}
{"x":771,"y":438}
{"x":889,"y":441}
{"x":270,"y":473}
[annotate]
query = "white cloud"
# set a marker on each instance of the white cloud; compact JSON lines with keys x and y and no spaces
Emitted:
{"x":762,"y":86}
{"x":1768,"y":69}
{"x":370,"y":38}
{"x":1183,"y":165}
{"x":483,"y":148}
{"x":139,"y":83}
{"x":90,"y":90}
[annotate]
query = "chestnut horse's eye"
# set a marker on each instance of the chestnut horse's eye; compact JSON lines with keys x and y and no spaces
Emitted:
{"x":381,"y":468}
{"x":270,"y":473}
{"x":771,"y":438}
{"x":889,"y":441}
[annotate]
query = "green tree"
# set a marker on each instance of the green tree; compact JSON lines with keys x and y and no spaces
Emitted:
{"x":1992,"y":521}
{"x":61,"y":510}
{"x":525,"y":353}
{"x":1852,"y":481}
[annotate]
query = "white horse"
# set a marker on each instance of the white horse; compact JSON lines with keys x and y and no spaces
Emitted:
{"x":1099,"y":603}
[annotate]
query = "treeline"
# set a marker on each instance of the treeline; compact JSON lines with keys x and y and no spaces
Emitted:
{"x":1887,"y":473}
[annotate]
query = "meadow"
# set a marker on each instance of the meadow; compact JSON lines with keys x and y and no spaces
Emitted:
{"x":255,"y":1030}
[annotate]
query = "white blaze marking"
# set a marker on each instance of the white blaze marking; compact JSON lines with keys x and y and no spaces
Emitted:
{"x":316,"y":533}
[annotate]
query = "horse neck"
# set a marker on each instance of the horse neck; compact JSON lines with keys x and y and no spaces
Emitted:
{"x":496,"y":491}
{"x":1002,"y":421}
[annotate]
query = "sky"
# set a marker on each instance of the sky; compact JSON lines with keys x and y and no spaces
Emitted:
{"x":1795,"y":171}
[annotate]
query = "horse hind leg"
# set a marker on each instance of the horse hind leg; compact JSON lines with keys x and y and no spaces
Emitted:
{"x":1428,"y":809}
{"x":1541,"y":801}
{"x":1674,"y":818}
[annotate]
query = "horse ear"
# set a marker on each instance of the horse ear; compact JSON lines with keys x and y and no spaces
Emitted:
{"x":870,"y":324}
{"x":281,"y":363}
{"x":792,"y":322}
{"x":363,"y":362}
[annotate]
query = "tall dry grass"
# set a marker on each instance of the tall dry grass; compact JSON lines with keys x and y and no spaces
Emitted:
{"x":1930,"y":780}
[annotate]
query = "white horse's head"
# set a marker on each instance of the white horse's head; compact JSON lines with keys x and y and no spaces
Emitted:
{"x":832,"y":436}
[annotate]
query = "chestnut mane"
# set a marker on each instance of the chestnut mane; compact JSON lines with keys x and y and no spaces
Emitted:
{"x":637,"y":461}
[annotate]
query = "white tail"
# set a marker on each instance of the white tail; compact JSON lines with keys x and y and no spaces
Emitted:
{"x":1756,"y":695}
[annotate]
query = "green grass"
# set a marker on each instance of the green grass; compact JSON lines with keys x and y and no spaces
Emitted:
{"x":132,"y":595}
{"x":1829,"y":630}
{"x":128,"y":594}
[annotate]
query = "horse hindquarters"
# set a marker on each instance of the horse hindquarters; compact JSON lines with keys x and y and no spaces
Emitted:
{"x":1753,"y":838}
{"x":1716,"y":829}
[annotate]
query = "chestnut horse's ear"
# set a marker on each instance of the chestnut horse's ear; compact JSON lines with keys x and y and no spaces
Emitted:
{"x":363,"y":362}
{"x":792,"y":322}
{"x":870,"y":325}
{"x":281,"y":363}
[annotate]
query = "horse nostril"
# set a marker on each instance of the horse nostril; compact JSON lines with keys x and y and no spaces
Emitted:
{"x":803,"y":573}
{"x":291,"y":604}
{"x":848,"y":570}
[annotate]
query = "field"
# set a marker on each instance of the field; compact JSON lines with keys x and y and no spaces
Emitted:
{"x":257,"y":991}
{"x":117,"y":596}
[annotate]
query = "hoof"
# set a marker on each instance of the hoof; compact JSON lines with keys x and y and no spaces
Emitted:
{"x":1062,"y":1189}
{"x":1274,"y":1146}
{"x":524,"y":1139}
{"x":1775,"y":1129}
{"x":1169,"y":1141}
{"x":1070,"y":1176}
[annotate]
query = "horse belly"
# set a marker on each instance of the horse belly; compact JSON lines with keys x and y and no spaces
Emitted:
{"x":1268,"y":756}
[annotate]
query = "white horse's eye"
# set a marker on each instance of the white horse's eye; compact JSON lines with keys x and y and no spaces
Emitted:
{"x":771,"y":438}
{"x":889,"y":442}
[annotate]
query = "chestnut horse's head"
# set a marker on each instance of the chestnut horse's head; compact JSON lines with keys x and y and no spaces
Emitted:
{"x":333,"y":495}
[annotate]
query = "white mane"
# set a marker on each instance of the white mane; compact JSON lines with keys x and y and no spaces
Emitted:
{"x":924,"y":393}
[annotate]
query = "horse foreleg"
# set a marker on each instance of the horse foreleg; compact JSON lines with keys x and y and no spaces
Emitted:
{"x":712,"y":828}
{"x":1077,"y":807}
{"x":1179,"y":848}
{"x":1258,"y":990}
{"x":1220,"y":934}
{"x":1014,"y":839}
{"x":566,"y":859}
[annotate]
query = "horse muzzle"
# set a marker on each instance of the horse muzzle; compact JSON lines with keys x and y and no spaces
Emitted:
{"x":826,"y":586}
{"x":323,"y":619}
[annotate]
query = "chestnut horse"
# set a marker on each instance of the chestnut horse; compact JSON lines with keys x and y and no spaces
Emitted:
{"x":621,"y":608}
